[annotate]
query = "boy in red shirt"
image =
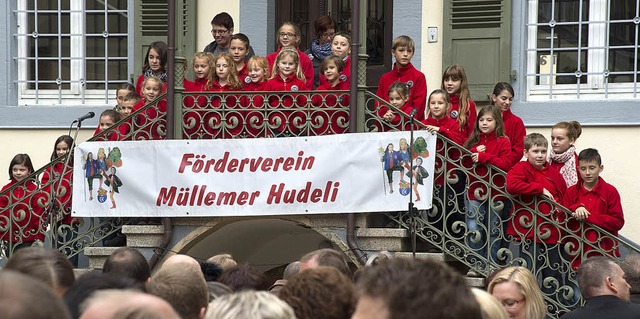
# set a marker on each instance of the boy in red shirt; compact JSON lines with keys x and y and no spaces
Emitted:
{"x":539,"y":236}
{"x":403,"y":71}
{"x":595,"y":202}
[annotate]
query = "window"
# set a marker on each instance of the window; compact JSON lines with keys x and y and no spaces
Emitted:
{"x":71,"y":51}
{"x":582,"y":49}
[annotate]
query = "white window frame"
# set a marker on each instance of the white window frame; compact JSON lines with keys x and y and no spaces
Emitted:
{"x":76,"y":93}
{"x":597,"y":86}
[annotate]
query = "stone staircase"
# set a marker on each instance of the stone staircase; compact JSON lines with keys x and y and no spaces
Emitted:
{"x":371,"y":240}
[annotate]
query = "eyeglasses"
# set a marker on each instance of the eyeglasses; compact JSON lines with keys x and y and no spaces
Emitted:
{"x":328,"y":35}
{"x":219,"y":32}
{"x":288,"y":35}
{"x":510,"y":303}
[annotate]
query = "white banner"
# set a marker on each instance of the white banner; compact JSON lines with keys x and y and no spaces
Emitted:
{"x":347,"y":173}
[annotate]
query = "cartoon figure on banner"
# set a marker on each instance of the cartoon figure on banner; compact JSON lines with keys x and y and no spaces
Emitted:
{"x":92,"y":171}
{"x":115,"y":157}
{"x":102,"y":162}
{"x":419,"y":174}
{"x":391,"y":162}
{"x":114,"y":182}
{"x":406,"y":160}
{"x":419,"y":148}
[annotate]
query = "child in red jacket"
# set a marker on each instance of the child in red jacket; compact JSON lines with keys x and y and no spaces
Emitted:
{"x":488,"y":145}
{"x":463,"y":109}
{"x":289,"y":38}
{"x":403,"y":49}
{"x":331,"y":121}
{"x":21,"y":209}
{"x":286,"y":76}
{"x":595,"y":202}
{"x":535,"y":220}
{"x":514,"y":129}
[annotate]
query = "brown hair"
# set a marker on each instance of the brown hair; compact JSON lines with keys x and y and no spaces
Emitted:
{"x":20,"y":159}
{"x":456,"y":72}
{"x":332,"y":58}
{"x":44,"y":264}
{"x":183,"y":287}
{"x":534,"y":139}
{"x":497,"y":116}
{"x":573,"y":128}
{"x":233,"y":78}
{"x":322,"y":292}
{"x":402,"y":41}
{"x":444,"y":94}
{"x":322,"y":24}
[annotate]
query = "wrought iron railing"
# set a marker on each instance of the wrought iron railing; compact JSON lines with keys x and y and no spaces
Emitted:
{"x":529,"y":231}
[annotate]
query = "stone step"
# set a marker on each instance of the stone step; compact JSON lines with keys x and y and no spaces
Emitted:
{"x":378,"y":239}
{"x":98,"y":255}
{"x":143,"y":235}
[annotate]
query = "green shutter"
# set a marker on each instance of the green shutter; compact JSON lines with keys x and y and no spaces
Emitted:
{"x":477,"y":35}
{"x":152,"y":26}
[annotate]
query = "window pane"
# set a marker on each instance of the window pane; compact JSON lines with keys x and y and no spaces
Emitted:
{"x":564,"y":69}
{"x":622,"y":9}
{"x":622,"y":60}
{"x":563,"y":10}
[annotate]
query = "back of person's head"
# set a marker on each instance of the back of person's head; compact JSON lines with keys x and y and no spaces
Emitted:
{"x":129,"y":262}
{"x":535,"y":139}
{"x":249,"y":304}
{"x":91,"y":282}
{"x":490,"y":306}
{"x":223,"y":19}
{"x":217,"y":289}
{"x":126,"y":304}
{"x":23,"y":297}
{"x":243,"y":277}
{"x":210,"y":271}
{"x":224,"y":261}
{"x":326,"y":257}
{"x":573,"y":129}
{"x":631,"y":267}
{"x":292,"y":269}
{"x":590,"y":155}
{"x":182,"y":259}
{"x":183,"y":287}
{"x":528,"y":286}
{"x":322,"y":292}
{"x":403,"y":41}
{"x":409,"y":287}
{"x":44,"y":264}
{"x":592,"y":276}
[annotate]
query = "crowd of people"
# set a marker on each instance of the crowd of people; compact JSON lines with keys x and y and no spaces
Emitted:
{"x":494,"y":135}
{"x":39,"y":283}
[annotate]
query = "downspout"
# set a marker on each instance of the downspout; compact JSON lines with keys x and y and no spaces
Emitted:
{"x":167,"y":226}
{"x":353,"y":115}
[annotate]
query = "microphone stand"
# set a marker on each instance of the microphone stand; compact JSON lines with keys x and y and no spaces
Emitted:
{"x":56,"y":186}
{"x":411,"y":208}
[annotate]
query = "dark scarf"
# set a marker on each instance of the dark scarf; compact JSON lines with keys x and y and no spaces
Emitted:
{"x":320,"y":51}
{"x":162,"y":76}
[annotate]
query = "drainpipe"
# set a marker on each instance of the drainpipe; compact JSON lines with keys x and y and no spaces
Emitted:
{"x":159,"y":251}
{"x":353,"y":115}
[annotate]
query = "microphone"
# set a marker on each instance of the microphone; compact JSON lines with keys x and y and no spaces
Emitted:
{"x":413,"y":112}
{"x":84,"y":117}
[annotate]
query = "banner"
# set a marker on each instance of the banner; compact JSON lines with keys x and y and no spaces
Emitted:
{"x":346,"y":173}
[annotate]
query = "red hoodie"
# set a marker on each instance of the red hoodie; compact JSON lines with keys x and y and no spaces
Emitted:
{"x":417,"y":89}
{"x":305,"y":65}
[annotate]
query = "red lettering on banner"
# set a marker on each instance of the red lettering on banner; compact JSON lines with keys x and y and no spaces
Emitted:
{"x":233,"y":164}
{"x":199,"y":197}
{"x":185,"y":161}
{"x":266,"y":164}
{"x":278,"y":194}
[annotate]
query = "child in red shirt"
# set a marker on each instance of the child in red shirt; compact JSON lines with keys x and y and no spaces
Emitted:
{"x":403,"y":49}
{"x":535,"y":183}
{"x":203,"y":66}
{"x":341,"y":47}
{"x":463,"y":109}
{"x":107,"y":119}
{"x":333,"y":121}
{"x":151,"y":122}
{"x":238,"y":49}
{"x":286,"y":76}
{"x":488,"y":145}
{"x":155,"y":63}
{"x":594,"y":202}
{"x":21,"y":211}
{"x":514,"y":129}
{"x":289,"y":38}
